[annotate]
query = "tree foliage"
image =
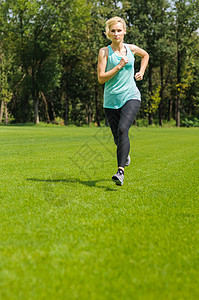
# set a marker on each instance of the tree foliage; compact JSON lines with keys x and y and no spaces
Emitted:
{"x":49,"y":51}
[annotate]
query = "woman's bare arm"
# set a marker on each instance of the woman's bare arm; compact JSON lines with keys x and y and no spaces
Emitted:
{"x":104,"y":76}
{"x":144,"y":62}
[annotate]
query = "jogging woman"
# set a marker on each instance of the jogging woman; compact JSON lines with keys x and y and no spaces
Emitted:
{"x":121,"y":96}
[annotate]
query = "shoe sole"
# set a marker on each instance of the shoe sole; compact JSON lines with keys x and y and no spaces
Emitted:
{"x":117,"y":181}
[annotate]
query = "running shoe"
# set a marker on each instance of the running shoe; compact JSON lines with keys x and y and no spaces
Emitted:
{"x":128,"y":161}
{"x":118,"y":178}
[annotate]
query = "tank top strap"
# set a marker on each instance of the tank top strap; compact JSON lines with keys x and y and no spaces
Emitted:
{"x":128,"y":50}
{"x":110,"y":50}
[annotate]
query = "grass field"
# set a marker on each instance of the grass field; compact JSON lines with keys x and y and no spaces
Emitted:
{"x":68,"y":232}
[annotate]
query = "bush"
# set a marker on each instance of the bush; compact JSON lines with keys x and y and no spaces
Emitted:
{"x":59,"y":121}
{"x":145,"y":123}
{"x":191,"y":122}
{"x":142,"y":122}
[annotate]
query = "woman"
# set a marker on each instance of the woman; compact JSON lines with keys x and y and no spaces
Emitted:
{"x":121,"y":95}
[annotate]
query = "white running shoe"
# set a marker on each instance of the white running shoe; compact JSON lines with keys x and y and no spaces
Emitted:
{"x":118,"y":178}
{"x":128,"y":161}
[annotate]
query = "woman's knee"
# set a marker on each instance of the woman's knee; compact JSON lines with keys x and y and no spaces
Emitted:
{"x":122,"y":129}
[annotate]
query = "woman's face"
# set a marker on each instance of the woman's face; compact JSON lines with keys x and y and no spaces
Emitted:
{"x":117,"y":32}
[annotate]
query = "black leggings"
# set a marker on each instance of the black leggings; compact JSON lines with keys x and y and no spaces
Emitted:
{"x":120,"y":120}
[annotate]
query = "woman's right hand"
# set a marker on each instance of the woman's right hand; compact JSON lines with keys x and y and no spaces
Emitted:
{"x":103,"y":75}
{"x":124,"y":60}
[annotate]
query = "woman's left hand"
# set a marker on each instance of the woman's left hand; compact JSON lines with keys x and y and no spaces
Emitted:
{"x":138,"y":76}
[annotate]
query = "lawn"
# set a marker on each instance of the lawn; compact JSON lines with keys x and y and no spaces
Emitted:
{"x":68,"y":232}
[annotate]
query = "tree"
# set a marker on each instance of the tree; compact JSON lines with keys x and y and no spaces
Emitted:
{"x":49,"y":52}
{"x":149,"y":28}
{"x":37,"y":26}
{"x":188,"y":88}
{"x":6,"y":63}
{"x":186,"y":23}
{"x":5,"y":90}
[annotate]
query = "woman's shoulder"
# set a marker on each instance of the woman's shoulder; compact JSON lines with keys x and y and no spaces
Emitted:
{"x":103,"y":52}
{"x":132,"y":47}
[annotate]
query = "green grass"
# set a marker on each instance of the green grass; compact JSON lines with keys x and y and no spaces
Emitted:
{"x":67,"y":232}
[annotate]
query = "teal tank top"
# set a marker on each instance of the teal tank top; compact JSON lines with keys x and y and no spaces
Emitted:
{"x":121,"y":87}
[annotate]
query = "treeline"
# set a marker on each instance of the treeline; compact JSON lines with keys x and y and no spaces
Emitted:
{"x":49,"y":51}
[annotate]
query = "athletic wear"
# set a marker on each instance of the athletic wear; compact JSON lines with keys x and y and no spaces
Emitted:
{"x":121,"y":87}
{"x":120,"y":120}
{"x":118,"y":178}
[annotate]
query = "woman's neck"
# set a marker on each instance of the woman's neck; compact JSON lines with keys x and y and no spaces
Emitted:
{"x":117,"y":46}
{"x":119,"y":49}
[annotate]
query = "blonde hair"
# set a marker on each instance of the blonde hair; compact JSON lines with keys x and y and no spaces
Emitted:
{"x":113,"y":21}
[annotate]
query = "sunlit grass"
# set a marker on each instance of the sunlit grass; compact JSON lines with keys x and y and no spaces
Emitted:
{"x":68,"y":232}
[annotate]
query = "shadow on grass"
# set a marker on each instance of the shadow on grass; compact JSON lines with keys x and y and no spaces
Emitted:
{"x":89,"y":183}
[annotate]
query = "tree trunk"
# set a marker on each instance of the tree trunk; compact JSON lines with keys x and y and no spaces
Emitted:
{"x":66,"y":111}
{"x":36,"y":109}
{"x":178,"y":87}
{"x":150,"y":118}
{"x":190,"y":106}
{"x":2,"y":110}
{"x":161,"y":94}
{"x":35,"y":96}
{"x":46,"y":106}
{"x":53,"y":111}
{"x":178,"y":111}
{"x":89,"y":114}
{"x":160,"y":112}
{"x":179,"y":63}
{"x":170,"y":110}
{"x":6,"y":113}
